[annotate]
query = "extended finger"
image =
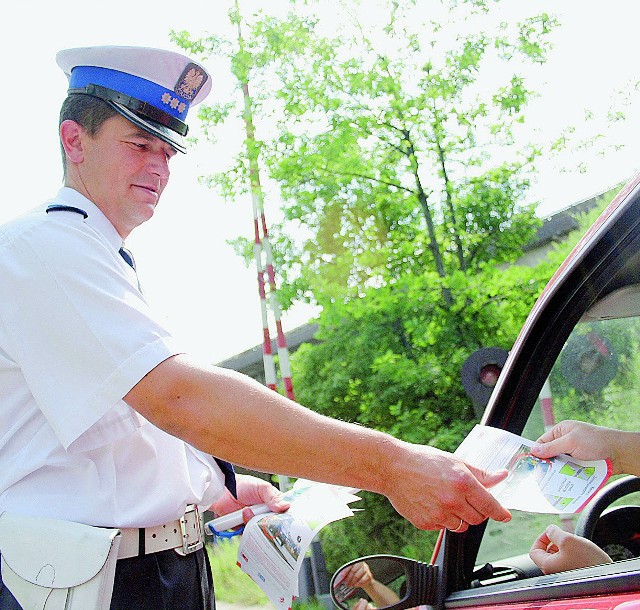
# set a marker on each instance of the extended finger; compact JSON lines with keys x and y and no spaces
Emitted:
{"x":247,"y":514}
{"x":484,"y":506}
{"x":358,"y":576}
{"x":481,"y":504}
{"x":553,"y":442}
{"x":350,"y":575}
{"x":465,"y":512}
{"x":471,"y":510}
{"x":275,"y":499}
{"x":547,"y":436}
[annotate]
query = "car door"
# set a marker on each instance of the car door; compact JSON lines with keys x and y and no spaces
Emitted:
{"x":577,"y":357}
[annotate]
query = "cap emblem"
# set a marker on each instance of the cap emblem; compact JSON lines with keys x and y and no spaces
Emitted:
{"x":191,"y":80}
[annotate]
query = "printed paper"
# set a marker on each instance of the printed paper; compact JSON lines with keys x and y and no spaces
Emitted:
{"x":558,"y":485}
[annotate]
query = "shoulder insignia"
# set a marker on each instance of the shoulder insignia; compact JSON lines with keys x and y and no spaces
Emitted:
{"x":59,"y":207}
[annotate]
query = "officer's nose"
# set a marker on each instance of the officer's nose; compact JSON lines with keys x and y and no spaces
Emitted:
{"x":159,"y":165}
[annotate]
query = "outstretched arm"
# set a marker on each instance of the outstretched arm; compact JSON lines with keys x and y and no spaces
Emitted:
{"x":238,"y":419}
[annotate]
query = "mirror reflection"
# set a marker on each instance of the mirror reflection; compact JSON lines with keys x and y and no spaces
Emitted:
{"x":369,"y":583}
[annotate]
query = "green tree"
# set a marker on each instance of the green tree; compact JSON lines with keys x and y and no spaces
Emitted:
{"x":395,"y":151}
{"x":393,"y":157}
{"x":390,"y":146}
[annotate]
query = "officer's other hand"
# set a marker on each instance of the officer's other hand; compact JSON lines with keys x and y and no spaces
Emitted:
{"x":251,"y":490}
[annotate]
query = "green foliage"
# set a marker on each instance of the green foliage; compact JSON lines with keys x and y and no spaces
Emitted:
{"x":310,"y":604}
{"x":392,"y":359}
{"x":396,"y":155}
{"x":378,"y":172}
{"x":232,"y":585}
{"x":385,"y":156}
{"x":377,"y":529}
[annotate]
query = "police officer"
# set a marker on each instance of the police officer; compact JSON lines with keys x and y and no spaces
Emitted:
{"x":103,"y":418}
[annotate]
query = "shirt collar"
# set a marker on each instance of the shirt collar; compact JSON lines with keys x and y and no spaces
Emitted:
{"x":95,"y":216}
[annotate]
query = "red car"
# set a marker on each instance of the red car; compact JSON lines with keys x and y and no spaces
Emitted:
{"x":578,"y":357}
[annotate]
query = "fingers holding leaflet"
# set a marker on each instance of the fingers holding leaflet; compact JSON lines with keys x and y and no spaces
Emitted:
{"x":578,"y":439}
{"x":250,"y":491}
{"x":590,"y":442}
{"x":434,"y":490}
{"x":481,"y":500}
{"x":262,"y":492}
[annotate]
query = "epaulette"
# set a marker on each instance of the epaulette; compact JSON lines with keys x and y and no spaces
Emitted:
{"x":59,"y":207}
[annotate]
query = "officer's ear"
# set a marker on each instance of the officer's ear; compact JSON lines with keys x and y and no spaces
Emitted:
{"x":71,"y":138}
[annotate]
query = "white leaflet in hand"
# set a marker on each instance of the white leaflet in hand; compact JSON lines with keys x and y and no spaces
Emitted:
{"x":558,"y":485}
{"x":274,"y":545}
{"x":234,"y":519}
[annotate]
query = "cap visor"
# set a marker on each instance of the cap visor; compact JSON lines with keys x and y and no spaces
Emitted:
{"x":156,"y":129}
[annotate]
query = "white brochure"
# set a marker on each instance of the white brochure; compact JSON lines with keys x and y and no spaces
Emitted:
{"x":273,"y":545}
{"x":558,"y":485}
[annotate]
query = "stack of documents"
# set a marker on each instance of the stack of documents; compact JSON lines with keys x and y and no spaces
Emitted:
{"x":274,"y":545}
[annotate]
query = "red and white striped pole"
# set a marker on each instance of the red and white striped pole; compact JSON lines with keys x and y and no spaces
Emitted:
{"x":267,"y":352}
{"x":263,"y":246}
{"x":546,"y":406}
{"x":281,"y":340}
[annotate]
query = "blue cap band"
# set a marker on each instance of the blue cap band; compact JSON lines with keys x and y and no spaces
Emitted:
{"x":140,"y":88}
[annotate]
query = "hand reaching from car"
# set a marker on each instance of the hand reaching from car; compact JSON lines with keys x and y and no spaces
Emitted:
{"x":589,"y":442}
{"x":556,"y":550}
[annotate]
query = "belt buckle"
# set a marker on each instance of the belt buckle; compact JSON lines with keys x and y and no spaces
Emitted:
{"x":191,"y":530}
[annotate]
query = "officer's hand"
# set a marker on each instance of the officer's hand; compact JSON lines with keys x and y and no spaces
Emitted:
{"x":434,"y":489}
{"x":251,"y":490}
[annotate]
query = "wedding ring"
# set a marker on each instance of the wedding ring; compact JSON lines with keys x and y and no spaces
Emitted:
{"x":459,"y":527}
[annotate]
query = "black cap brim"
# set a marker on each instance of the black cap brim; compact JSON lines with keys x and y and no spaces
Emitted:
{"x":156,"y":129}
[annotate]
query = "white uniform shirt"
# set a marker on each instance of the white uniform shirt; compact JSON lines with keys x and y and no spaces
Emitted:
{"x":76,"y":335}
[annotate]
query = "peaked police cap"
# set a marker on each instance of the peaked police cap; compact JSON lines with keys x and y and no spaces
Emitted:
{"x":153,"y":88}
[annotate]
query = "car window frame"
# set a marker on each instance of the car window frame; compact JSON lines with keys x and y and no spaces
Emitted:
{"x":582,"y":281}
{"x":607,"y":579}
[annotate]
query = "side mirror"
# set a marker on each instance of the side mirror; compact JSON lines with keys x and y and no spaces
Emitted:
{"x":384,"y":581}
